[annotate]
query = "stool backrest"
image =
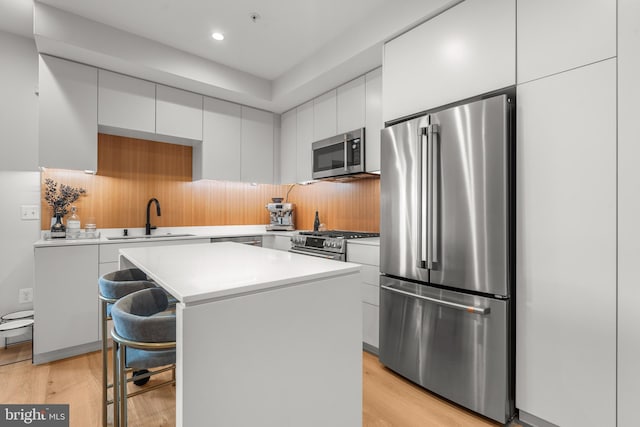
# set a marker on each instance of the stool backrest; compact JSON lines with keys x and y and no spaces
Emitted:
{"x":119,"y":283}
{"x":136,"y":318}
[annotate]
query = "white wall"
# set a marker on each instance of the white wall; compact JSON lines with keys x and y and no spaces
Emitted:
{"x":19,"y":178}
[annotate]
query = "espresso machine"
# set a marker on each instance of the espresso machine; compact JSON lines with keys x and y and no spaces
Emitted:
{"x":281,"y":216}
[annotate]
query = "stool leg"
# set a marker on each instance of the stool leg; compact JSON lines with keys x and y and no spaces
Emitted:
{"x":104,"y":362}
{"x":116,"y":384}
{"x":122,"y":382}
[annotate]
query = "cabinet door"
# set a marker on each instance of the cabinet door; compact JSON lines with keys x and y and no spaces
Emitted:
{"x":374,"y":123}
{"x":304,"y":134}
{"x":566,"y":247}
{"x":257,"y":146}
{"x":466,"y":51}
{"x":65,"y":301}
{"x":558,"y":35}
{"x":324,"y":116}
{"x":219,"y":154}
{"x":351,"y":105}
{"x":68,"y":111}
{"x":178,"y":113}
{"x":126,"y":103}
{"x":288,"y":145}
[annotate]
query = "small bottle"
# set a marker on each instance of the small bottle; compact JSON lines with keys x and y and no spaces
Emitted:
{"x":73,"y":223}
{"x":316,"y":222}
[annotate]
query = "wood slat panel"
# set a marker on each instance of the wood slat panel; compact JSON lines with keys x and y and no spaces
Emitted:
{"x":131,"y":171}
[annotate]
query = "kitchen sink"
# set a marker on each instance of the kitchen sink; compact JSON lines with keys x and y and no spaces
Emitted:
{"x":153,"y":236}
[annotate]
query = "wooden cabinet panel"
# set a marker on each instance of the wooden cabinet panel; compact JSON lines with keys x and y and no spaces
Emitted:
{"x":324,"y":116}
{"x":178,"y":113}
{"x":558,"y":35}
{"x":68,"y":111}
{"x":465,"y":51}
{"x":566,"y":210}
{"x":288,"y":147}
{"x":350,"y":105}
{"x":304,"y":132}
{"x":219,"y":155}
{"x":257,"y":146}
{"x":125,"y":102}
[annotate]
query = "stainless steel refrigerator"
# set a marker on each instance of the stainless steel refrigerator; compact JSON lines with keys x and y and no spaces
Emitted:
{"x":447,"y":253}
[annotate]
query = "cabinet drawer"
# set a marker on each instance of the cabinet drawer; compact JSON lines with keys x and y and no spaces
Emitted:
{"x":363,"y":254}
{"x":109,"y":252}
{"x":370,"y":294}
{"x":370,"y":274}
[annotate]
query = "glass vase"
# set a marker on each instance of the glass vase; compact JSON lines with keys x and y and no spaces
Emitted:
{"x":58,"y":230}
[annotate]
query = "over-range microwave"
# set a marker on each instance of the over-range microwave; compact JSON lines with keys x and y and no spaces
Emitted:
{"x":339,"y":155}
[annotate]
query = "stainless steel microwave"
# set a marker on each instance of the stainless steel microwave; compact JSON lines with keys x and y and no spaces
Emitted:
{"x":339,"y":155}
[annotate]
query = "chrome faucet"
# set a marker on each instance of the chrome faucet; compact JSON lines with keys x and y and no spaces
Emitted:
{"x":148,"y":226}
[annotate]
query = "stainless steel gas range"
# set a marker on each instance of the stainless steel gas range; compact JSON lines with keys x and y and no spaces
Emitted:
{"x":325,"y":244}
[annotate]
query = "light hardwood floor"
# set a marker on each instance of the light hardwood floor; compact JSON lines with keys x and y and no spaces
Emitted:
{"x":388,"y":399}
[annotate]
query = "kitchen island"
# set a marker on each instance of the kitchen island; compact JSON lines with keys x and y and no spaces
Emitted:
{"x":264,"y":337}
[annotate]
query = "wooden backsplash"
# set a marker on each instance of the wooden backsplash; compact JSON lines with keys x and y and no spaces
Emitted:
{"x":131,"y":171}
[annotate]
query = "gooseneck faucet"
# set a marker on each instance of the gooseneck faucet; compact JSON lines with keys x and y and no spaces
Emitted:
{"x":148,"y":226}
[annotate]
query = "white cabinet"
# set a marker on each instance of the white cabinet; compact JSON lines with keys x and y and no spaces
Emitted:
{"x":350,"y":104}
{"x":324,"y":116}
{"x":218,"y":157}
{"x":628,"y":212}
{"x":368,"y":255}
{"x":288,"y":147}
{"x":257,"y":146}
{"x":566,"y":247}
{"x":276,"y":241}
{"x":68,"y":111}
{"x":468,"y":50}
{"x":373,"y":123}
{"x":126,"y":103}
{"x":558,"y":35}
{"x":65,"y":302}
{"x":304,"y":132}
{"x":178,"y":113}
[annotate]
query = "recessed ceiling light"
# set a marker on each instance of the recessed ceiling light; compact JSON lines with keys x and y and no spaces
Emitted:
{"x":218,"y":36}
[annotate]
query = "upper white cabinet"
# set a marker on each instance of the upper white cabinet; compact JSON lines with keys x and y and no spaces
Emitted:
{"x":126,"y":103}
{"x":218,"y":157}
{"x":566,"y":247}
{"x":468,"y":50}
{"x":288,"y":147}
{"x":68,"y":111}
{"x":324,"y":116}
{"x":257,"y":146}
{"x":558,"y":35}
{"x":351,"y":105}
{"x":304,"y":133}
{"x":373,"y":123}
{"x":178,"y":113}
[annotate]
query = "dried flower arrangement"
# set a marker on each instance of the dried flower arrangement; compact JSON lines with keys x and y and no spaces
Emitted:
{"x":60,"y":199}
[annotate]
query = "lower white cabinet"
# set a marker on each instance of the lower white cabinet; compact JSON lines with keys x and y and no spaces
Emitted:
{"x":368,"y":255}
{"x":66,"y":307}
{"x":274,"y":241}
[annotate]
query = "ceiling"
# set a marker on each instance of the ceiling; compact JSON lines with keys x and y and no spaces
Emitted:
{"x":297,"y":49}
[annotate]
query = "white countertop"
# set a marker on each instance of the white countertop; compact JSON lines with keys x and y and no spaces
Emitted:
{"x":197,"y":233}
{"x":196,"y":273}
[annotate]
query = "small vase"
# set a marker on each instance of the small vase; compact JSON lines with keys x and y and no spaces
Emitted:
{"x":58,"y":230}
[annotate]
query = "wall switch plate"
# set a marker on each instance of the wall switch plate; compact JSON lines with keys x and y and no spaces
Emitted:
{"x":25,"y":295}
{"x":29,"y":212}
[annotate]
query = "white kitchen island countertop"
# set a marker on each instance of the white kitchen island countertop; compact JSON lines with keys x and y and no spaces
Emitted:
{"x":196,"y":273}
{"x":263,"y":337}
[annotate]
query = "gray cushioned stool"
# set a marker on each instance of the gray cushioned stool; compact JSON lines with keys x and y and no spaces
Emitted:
{"x":144,"y":337}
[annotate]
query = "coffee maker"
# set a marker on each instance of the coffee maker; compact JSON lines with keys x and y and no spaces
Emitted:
{"x":281,"y":216}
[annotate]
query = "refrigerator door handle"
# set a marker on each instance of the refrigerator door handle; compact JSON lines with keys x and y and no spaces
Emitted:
{"x":467,"y":308}
{"x":434,"y":190}
{"x":423,"y":251}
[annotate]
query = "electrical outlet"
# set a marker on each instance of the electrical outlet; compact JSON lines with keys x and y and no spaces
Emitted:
{"x":29,"y":212}
{"x":25,"y":295}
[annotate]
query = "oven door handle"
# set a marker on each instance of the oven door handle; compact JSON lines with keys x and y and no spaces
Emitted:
{"x":467,"y":308}
{"x":312,"y":254}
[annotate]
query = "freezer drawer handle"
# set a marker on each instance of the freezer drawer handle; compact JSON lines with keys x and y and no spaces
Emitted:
{"x":467,"y":308}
